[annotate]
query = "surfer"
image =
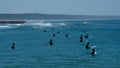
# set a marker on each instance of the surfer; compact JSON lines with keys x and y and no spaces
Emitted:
{"x":84,"y":31}
{"x":54,"y":35}
{"x":66,"y":35}
{"x":87,"y":45}
{"x":81,"y":38}
{"x":58,"y":32}
{"x":13,"y":46}
{"x":86,"y":36}
{"x":44,"y":31}
{"x":93,"y":51}
{"x":32,"y":27}
{"x":51,"y":42}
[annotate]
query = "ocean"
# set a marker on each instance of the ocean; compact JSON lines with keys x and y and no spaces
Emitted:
{"x":32,"y":48}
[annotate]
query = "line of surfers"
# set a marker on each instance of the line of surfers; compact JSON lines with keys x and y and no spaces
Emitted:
{"x":67,"y":35}
{"x":87,"y":45}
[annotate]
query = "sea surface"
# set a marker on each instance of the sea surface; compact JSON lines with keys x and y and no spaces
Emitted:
{"x":32,"y":48}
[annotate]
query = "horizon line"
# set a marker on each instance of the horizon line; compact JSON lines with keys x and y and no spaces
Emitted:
{"x":60,"y":14}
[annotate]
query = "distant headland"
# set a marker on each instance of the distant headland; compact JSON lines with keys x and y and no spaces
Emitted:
{"x":38,"y":16}
{"x":21,"y":18}
{"x":12,"y":21}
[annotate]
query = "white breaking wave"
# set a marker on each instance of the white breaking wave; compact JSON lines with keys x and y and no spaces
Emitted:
{"x":38,"y":24}
{"x":62,"y":24}
{"x":34,"y":23}
{"x":14,"y":24}
{"x":5,"y":26}
{"x":9,"y":26}
{"x":43,"y":23}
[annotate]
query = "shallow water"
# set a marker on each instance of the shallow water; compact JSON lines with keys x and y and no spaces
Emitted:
{"x":32,"y":49}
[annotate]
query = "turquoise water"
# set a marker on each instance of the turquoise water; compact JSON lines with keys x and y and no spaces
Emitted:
{"x":32,"y":49}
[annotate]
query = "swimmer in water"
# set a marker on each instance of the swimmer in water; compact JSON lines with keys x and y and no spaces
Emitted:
{"x":86,"y":36}
{"x":87,"y":46}
{"x":13,"y":46}
{"x":93,"y":51}
{"x":81,"y":37}
{"x":84,"y":31}
{"x":58,"y":32}
{"x":81,"y":40}
{"x":51,"y":42}
{"x":66,"y":35}
{"x":54,"y":35}
{"x":44,"y":31}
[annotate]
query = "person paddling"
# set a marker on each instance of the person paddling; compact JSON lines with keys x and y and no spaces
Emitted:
{"x":51,"y":42}
{"x":13,"y":46}
{"x":86,"y":36}
{"x":93,"y":52}
{"x":87,"y":45}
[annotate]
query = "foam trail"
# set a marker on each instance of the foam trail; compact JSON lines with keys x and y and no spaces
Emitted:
{"x":38,"y":23}
{"x":14,"y":25}
{"x":45,"y":24}
{"x":85,"y":22}
{"x":4,"y":26}
{"x":62,"y":24}
{"x":58,"y":24}
{"x":9,"y":26}
{"x":42,"y":23}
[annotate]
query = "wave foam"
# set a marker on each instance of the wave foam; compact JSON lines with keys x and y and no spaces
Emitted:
{"x":5,"y":26}
{"x":44,"y":24}
{"x":85,"y":22}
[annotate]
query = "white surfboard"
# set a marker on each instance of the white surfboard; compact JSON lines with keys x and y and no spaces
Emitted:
{"x":93,"y":46}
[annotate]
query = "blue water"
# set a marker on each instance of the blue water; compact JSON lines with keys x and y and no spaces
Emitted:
{"x":32,"y":49}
